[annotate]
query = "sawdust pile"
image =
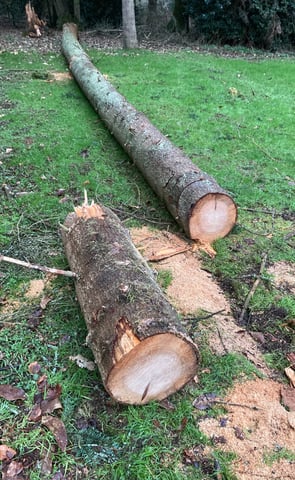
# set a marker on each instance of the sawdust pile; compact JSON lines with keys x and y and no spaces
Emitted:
{"x":193,"y":289}
{"x":257,"y":429}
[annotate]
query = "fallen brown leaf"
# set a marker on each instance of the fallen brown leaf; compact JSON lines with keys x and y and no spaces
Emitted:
{"x":34,"y":368}
{"x":14,"y":468}
{"x":42,"y":383}
{"x":239,"y":433}
{"x":48,"y":406}
{"x":6,"y":453}
{"x":57,"y":428}
{"x":258,"y":337}
{"x":58,"y":476}
{"x":35,"y":318}
{"x":53,"y":392}
{"x":12,"y":393}
{"x":36,"y":413}
{"x":46,"y":463}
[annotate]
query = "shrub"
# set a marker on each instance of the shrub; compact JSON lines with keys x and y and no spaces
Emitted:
{"x":257,"y":23}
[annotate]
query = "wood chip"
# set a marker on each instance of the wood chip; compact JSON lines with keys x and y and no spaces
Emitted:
{"x":290,"y":373}
{"x":166,"y":253}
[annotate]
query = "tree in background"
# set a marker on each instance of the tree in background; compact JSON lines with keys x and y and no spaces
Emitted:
{"x":152,"y":11}
{"x":129,"y":26}
{"x":58,"y":12}
{"x":77,"y":10}
{"x":256,"y":23}
{"x":181,"y":16}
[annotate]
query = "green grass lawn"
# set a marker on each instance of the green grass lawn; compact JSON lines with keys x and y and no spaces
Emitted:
{"x":234,"y":117}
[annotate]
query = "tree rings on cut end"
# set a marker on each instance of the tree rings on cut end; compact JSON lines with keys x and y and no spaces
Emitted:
{"x":212,"y":217}
{"x":155,"y":368}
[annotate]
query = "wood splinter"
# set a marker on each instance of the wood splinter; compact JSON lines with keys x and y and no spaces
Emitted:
{"x":142,"y":351}
{"x":35,"y":24}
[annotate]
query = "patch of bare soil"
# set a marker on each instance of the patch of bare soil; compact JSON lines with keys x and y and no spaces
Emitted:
{"x":257,"y":429}
{"x":284,"y":276}
{"x":36,"y":287}
{"x":60,"y":76}
{"x":272,"y":327}
{"x":193,"y":289}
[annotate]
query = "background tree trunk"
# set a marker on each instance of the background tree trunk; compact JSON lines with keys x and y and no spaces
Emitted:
{"x":152,"y":12}
{"x":141,"y":349}
{"x":203,"y":209}
{"x":129,"y":25}
{"x":77,"y":10}
{"x":58,"y":11}
{"x":180,"y":20}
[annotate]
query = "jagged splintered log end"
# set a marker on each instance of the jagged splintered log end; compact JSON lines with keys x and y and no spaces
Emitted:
{"x":141,"y":349}
{"x":212,"y":217}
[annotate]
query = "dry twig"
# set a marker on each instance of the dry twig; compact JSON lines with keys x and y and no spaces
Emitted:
{"x":254,"y":287}
{"x":55,"y":271}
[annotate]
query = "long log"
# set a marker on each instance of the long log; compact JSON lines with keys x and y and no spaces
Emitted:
{"x":142,"y":351}
{"x":200,"y":206}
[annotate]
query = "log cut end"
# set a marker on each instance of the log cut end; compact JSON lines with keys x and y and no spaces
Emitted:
{"x":212,"y":217}
{"x":155,"y":368}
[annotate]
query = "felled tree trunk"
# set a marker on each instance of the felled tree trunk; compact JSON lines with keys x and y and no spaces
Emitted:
{"x":202,"y":208}
{"x":34,"y":23}
{"x":141,"y":350}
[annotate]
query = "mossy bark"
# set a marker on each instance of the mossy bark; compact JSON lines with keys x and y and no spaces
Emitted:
{"x":142,"y":351}
{"x":170,"y":173}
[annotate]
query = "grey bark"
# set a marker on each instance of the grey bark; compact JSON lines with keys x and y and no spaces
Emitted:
{"x":176,"y":180}
{"x":125,"y":310}
{"x":129,"y":25}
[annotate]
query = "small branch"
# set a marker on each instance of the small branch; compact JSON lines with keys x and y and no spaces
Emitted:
{"x":289,"y":235}
{"x":267,"y":212}
{"x":241,"y":405}
{"x":262,"y":150}
{"x":194,"y":320}
{"x":254,"y":287}
{"x":221,"y":340}
{"x":56,"y":271}
{"x":167,"y":253}
{"x":199,"y":319}
{"x":139,"y":217}
{"x":254,"y":232}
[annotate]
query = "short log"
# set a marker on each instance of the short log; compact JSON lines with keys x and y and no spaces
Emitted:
{"x":142,"y":351}
{"x":201,"y":207}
